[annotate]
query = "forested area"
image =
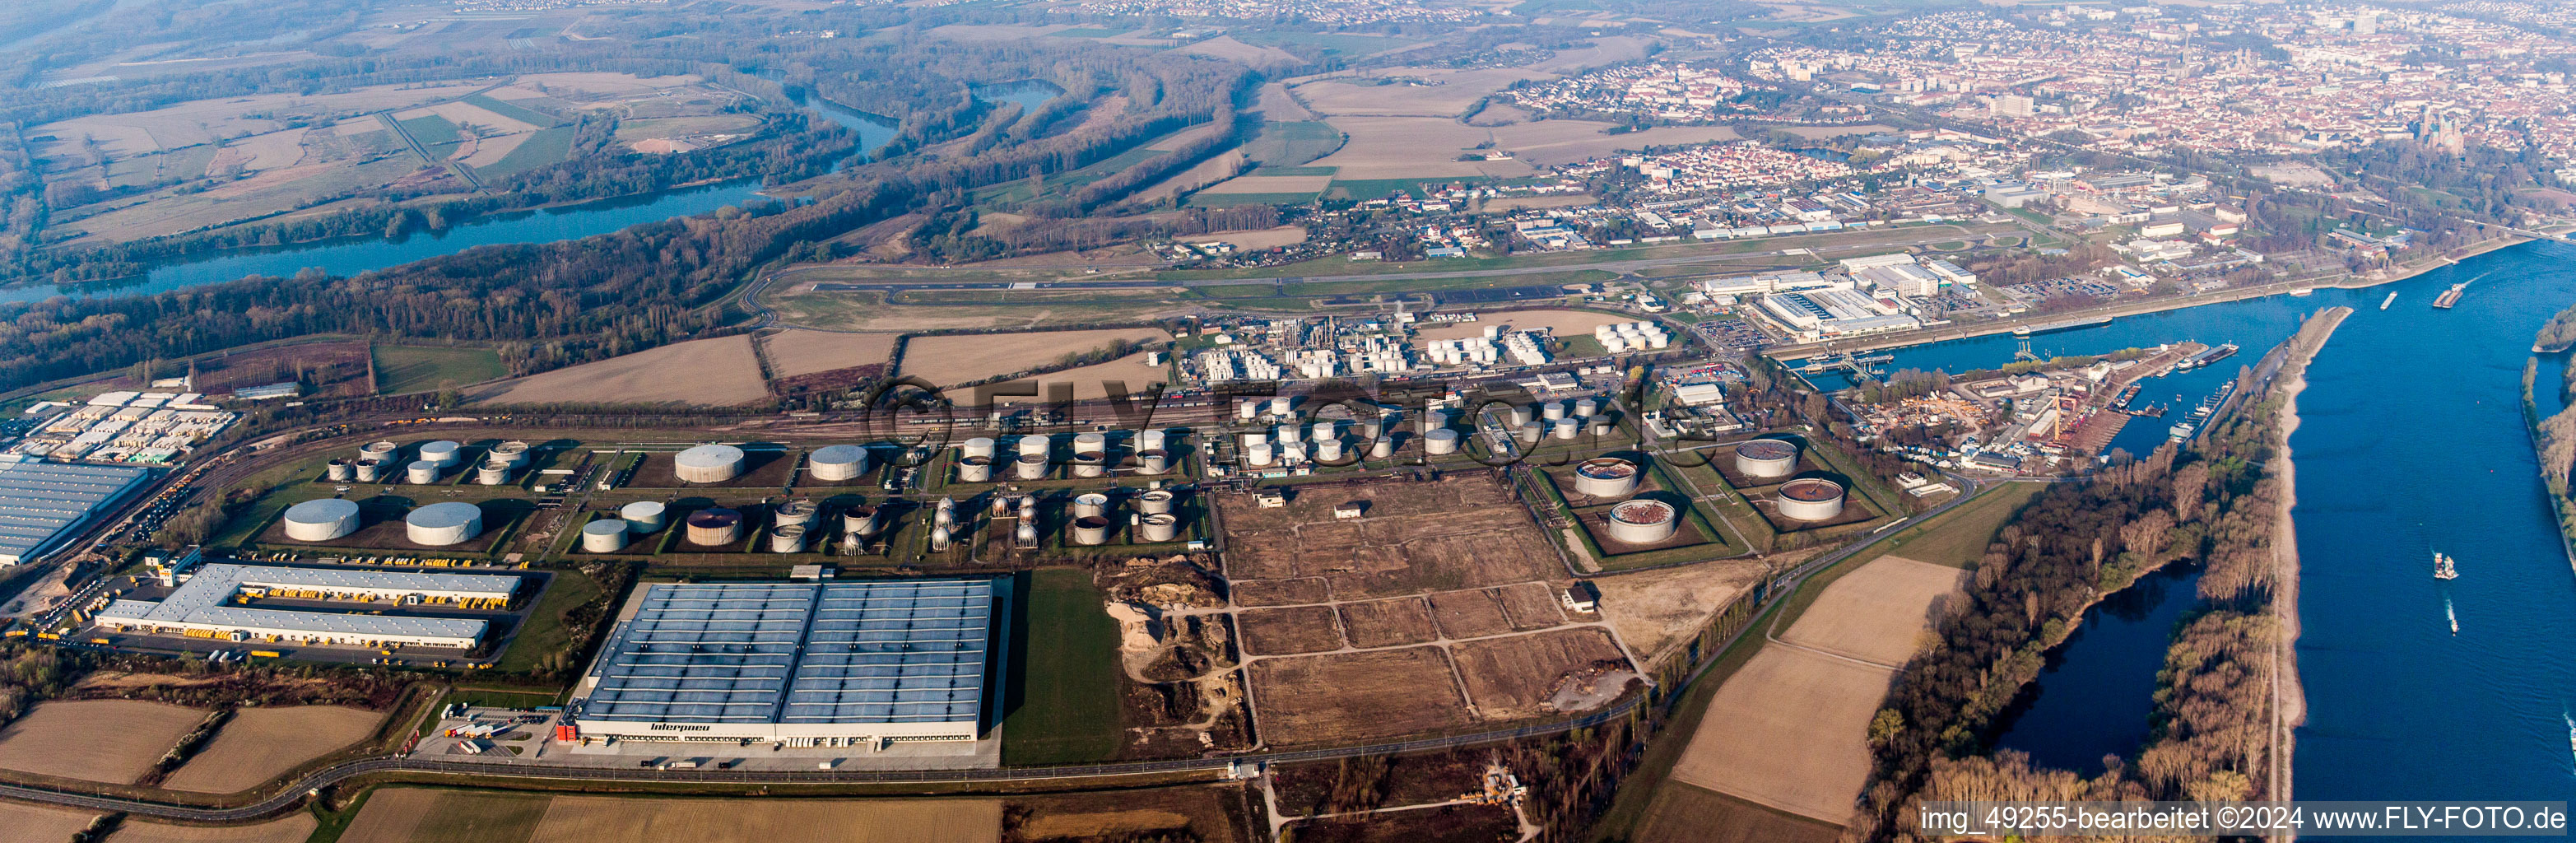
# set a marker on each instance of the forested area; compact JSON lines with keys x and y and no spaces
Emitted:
{"x":2216,"y":505}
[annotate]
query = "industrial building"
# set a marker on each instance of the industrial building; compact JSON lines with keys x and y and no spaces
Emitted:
{"x":799,"y":664}
{"x":44,"y":504}
{"x":202,"y":606}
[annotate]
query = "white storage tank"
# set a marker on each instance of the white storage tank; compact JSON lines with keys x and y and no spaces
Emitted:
{"x":340,"y":471}
{"x":370,"y":470}
{"x":1522,"y":415}
{"x":1153,"y":439}
{"x":836,"y":463}
{"x":1441,"y":441}
{"x":796,"y":512}
{"x":421,"y":472}
{"x":642,"y":516}
{"x":975,"y":470}
{"x":1246,"y":409}
{"x":492,"y":473}
{"x":441,"y":524}
{"x":1567,"y":428}
{"x":1383,"y":448}
{"x":513,"y":452}
{"x":1606,"y":477}
{"x":1247,"y":440}
{"x":1031,"y":466}
{"x":1089,"y":504}
{"x":1326,"y":430}
{"x":1155,"y":502}
{"x":789,"y":538}
{"x":1640,"y":522}
{"x":321,"y":520}
{"x":1091,"y":530}
{"x":1092,"y":443}
{"x":1034,"y":444}
{"x":1811,"y":499}
{"x":1159,"y":527}
{"x":1280,"y":405}
{"x":1552,"y":410}
{"x":1153,"y":461}
{"x":862,"y":520}
{"x":1766,"y":458}
{"x":1328,"y":451}
{"x":443,"y":452}
{"x":708,"y":464}
{"x":1091,"y":464}
{"x":1261,"y":453}
{"x":980,"y":446}
{"x":606,"y":535}
{"x":1586,"y":407}
{"x":381,"y":449}
{"x":714,"y":526}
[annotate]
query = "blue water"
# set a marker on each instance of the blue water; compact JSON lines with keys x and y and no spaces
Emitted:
{"x":350,"y":257}
{"x":1029,"y":93}
{"x":2411,"y":439}
{"x":873,"y":129}
{"x":2097,"y":694}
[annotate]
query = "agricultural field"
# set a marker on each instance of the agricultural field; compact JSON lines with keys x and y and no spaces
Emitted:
{"x":30,"y":822}
{"x":1092,"y":382}
{"x":259,"y":744}
{"x":581,"y":819}
{"x":1064,"y":677}
{"x":1457,"y":533}
{"x":112,"y":741}
{"x":1279,"y":144}
{"x":795,"y":352}
{"x":1518,"y":676}
{"x":1684,"y":813}
{"x":1388,"y":623}
{"x":1357,"y":697}
{"x":714,"y":372}
{"x":964,"y":358}
{"x":1289,"y":631}
{"x":1394,"y":147}
{"x":402,"y":369}
{"x":1789,"y":730}
{"x":292,"y":828}
{"x":1656,"y":611}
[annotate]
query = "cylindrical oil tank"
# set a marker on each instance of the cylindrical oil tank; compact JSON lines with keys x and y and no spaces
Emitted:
{"x":1552,"y":410}
{"x":1153,"y":461}
{"x":787,"y":538}
{"x":340,"y":471}
{"x":1606,"y":477}
{"x":1326,"y":429}
{"x":1766,"y":458}
{"x":1643,"y":522}
{"x":708,"y":464}
{"x":1293,"y":452}
{"x":1246,"y":408}
{"x":1030,"y":466}
{"x":383,"y":450}
{"x":1599,"y":425}
{"x":1382,"y":448}
{"x":1287,"y":433}
{"x":1441,"y":441}
{"x":606,"y":535}
{"x":1089,"y":504}
{"x":1522,"y":415}
{"x":1159,"y":527}
{"x":513,"y":452}
{"x":975,"y":470}
{"x":492,"y":473}
{"x":443,"y":452}
{"x":1811,"y":499}
{"x":421,"y":471}
{"x":1155,"y":502}
{"x":1247,"y":440}
{"x":980,"y":446}
{"x":1095,"y":443}
{"x":1091,"y":530}
{"x":862,"y":520}
{"x":1567,"y":428}
{"x":1034,"y":444}
{"x":369,"y":470}
{"x":1373,"y":427}
{"x":453,"y":522}
{"x":1261,"y":453}
{"x":835,"y":463}
{"x":642,"y":516}
{"x":1586,"y":406}
{"x":1280,"y":405}
{"x":1439,"y":417}
{"x":1090,"y":464}
{"x":795,"y":512}
{"x":714,"y":526}
{"x":1328,"y":451}
{"x":321,"y":520}
{"x":1153,"y":439}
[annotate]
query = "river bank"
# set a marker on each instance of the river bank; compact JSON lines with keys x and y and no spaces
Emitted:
{"x":2289,"y":696}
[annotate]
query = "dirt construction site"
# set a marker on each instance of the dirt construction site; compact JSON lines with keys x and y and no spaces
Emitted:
{"x":1790,"y":729}
{"x":1347,"y":625}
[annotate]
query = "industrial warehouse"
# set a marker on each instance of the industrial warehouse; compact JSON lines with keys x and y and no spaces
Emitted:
{"x":41,"y":503}
{"x":202,"y":607}
{"x":801,"y":665}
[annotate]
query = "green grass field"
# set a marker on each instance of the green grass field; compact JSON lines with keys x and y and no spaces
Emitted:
{"x":546,"y":146}
{"x":404,"y":369}
{"x":481,"y":817}
{"x":435,"y":134}
{"x":1330,"y":42}
{"x":1960,"y":536}
{"x":1089,"y":32}
{"x":545,"y":632}
{"x":1287,"y":145}
{"x":1063,"y":704}
{"x":1229,"y":200}
{"x":512,"y":110}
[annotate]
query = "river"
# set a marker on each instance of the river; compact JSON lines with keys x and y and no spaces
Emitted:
{"x":2411,"y":440}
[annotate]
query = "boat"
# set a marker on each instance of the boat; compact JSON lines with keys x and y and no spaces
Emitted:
{"x":2391,"y":299}
{"x":2303,"y":292}
{"x":2181,"y":430}
{"x":2053,"y":327}
{"x":2571,"y":727}
{"x":2454,"y":613}
{"x":2444,"y":567}
{"x":2451,"y":296}
{"x":2208,"y":356}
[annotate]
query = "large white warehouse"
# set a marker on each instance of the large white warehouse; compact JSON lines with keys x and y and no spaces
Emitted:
{"x":800,"y":664}
{"x":43,"y":503}
{"x":200,"y":607}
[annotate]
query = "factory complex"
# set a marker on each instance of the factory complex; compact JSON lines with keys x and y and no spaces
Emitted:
{"x":154,"y":428}
{"x":1866,"y":295}
{"x":794,"y":664}
{"x":43,"y":503}
{"x":204,"y":606}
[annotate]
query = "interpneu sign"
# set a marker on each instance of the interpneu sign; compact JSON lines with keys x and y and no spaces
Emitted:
{"x":681,"y":727}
